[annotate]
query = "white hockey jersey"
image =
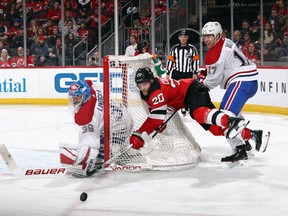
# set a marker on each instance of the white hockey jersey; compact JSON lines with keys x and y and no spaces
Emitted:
{"x":90,"y":120}
{"x":225,"y":63}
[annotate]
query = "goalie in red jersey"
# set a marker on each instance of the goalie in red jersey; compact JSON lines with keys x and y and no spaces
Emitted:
{"x":161,"y":93}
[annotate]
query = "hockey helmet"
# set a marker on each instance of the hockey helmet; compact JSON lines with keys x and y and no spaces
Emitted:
{"x":143,"y":75}
{"x":212,"y":28}
{"x":79,"y":93}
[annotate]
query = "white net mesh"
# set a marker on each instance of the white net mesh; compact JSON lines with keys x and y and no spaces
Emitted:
{"x":175,"y":148}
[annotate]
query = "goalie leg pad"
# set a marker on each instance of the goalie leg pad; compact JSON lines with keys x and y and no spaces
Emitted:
{"x":85,"y":161}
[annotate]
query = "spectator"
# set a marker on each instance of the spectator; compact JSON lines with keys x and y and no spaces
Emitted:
{"x":5,"y":59}
{"x":130,"y":50}
{"x":246,"y":28}
{"x":67,"y":18}
{"x":82,"y":31}
{"x":95,"y":59}
{"x":268,"y":55}
{"x":52,"y":38}
{"x":245,"y":44}
{"x":132,"y":14}
{"x":12,"y":14}
{"x":69,"y":28}
{"x":54,"y":13}
{"x":56,"y":54}
{"x":3,"y":31}
{"x":143,"y":47}
{"x":269,"y":36}
{"x":18,"y":59}
{"x":14,"y":30}
{"x":83,"y":7}
{"x":70,"y":6}
{"x":40,"y":51}
{"x":237,"y":39}
{"x":274,"y":21}
{"x":70,"y":42}
{"x":257,"y":26}
{"x":252,"y":54}
{"x":32,"y":29}
{"x":18,"y":40}
{"x":3,"y":45}
{"x":48,"y":27}
{"x":282,"y":11}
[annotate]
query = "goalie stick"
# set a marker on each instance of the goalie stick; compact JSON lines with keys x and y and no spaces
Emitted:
{"x":144,"y":136}
{"x":16,"y":170}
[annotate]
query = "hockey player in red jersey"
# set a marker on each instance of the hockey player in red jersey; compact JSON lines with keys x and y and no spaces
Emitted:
{"x":160,"y":93}
{"x":227,"y":67}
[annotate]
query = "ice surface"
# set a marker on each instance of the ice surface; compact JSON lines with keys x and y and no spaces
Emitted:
{"x":32,"y":134}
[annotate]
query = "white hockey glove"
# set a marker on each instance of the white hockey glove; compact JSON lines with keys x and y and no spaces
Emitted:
{"x":85,"y":161}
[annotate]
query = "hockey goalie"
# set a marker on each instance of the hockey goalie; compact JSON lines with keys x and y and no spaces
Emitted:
{"x":86,"y":101}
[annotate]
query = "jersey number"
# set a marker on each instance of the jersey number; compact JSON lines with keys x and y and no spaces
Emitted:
{"x":158,"y":99}
{"x":87,"y":128}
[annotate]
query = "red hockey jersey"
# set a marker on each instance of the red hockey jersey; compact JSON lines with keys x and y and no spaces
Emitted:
{"x":163,"y":94}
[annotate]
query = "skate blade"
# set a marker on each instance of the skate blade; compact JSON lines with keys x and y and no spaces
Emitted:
{"x":233,"y":133}
{"x":265,"y":141}
{"x":240,"y":163}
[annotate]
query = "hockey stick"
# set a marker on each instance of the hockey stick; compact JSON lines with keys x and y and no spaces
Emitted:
{"x":92,"y":172}
{"x":147,"y":138}
{"x":16,"y":170}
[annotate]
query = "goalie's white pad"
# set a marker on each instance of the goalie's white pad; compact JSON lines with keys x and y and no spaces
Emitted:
{"x":85,"y":161}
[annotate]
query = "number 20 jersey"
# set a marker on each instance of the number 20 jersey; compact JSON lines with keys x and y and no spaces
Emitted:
{"x":162,"y":94}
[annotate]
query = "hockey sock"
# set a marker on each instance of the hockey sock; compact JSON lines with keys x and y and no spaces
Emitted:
{"x":246,"y":134}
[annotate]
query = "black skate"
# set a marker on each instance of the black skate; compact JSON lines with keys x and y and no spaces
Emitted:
{"x":236,"y":125}
{"x":248,"y":149}
{"x":239,"y":157}
{"x":261,"y":139}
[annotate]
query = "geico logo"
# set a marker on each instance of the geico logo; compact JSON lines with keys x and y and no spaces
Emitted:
{"x":62,"y":81}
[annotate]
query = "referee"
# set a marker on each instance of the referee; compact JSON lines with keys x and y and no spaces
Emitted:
{"x":183,"y":60}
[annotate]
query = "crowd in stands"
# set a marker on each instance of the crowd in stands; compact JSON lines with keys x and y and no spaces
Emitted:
{"x":275,"y":35}
{"x":44,"y":34}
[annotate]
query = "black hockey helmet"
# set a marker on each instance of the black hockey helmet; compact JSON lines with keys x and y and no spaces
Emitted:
{"x":143,"y":75}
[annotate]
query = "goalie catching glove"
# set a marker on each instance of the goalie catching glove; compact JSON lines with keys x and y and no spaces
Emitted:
{"x":136,"y":140}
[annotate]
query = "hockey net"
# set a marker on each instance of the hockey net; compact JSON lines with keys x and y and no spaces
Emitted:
{"x":173,"y":149}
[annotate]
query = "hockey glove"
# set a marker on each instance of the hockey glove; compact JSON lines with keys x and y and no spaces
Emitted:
{"x":202,"y":75}
{"x":136,"y":140}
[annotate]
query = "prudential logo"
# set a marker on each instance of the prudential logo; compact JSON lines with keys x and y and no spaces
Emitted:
{"x":9,"y":85}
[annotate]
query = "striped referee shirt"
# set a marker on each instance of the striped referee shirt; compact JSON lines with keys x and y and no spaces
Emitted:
{"x":183,"y":59}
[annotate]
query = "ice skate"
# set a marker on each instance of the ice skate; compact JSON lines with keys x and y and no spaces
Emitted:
{"x":239,"y":157}
{"x":248,"y":149}
{"x":261,"y":139}
{"x":236,"y":125}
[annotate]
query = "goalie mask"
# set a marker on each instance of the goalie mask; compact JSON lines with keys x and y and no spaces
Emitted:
{"x":79,"y":93}
{"x":143,"y":75}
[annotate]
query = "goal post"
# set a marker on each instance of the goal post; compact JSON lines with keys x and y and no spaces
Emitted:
{"x":124,"y":112}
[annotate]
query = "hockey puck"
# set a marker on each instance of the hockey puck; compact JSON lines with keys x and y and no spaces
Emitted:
{"x":83,"y":196}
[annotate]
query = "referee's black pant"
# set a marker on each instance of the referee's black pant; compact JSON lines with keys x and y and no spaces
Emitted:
{"x":180,"y":75}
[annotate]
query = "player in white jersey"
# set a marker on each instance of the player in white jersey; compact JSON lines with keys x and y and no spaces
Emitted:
{"x":227,"y":67}
{"x":86,"y":99}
